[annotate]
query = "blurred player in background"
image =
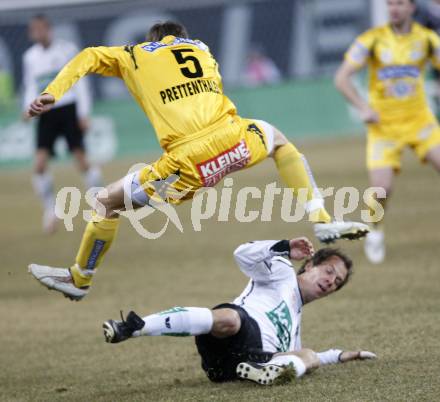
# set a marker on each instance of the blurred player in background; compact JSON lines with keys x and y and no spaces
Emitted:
{"x":176,"y":82}
{"x":68,"y":118}
{"x":396,"y":114}
{"x":258,"y":336}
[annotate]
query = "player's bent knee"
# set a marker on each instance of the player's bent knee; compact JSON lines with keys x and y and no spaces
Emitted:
{"x":105,"y":204}
{"x":40,"y":165}
{"x":101,"y":203}
{"x":226,"y":323}
{"x":40,"y":169}
{"x":134,"y":191}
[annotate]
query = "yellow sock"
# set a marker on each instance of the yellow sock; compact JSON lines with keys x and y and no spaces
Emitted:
{"x":97,"y":239}
{"x":296,"y":174}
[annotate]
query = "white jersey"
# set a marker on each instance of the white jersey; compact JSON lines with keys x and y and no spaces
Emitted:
{"x":41,"y":65}
{"x":272,"y":297}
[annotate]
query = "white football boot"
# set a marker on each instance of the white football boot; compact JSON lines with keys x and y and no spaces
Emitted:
{"x":329,"y":232}
{"x":374,"y":246}
{"x":266,"y":374}
{"x":58,"y":279}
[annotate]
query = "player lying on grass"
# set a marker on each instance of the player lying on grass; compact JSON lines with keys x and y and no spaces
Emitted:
{"x":257,"y":336}
{"x":176,"y":82}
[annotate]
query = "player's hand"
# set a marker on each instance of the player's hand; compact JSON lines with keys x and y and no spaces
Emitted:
{"x":368,"y":115}
{"x":300,"y":248}
{"x":84,"y":124}
{"x":357,"y":355}
{"x":40,"y":105}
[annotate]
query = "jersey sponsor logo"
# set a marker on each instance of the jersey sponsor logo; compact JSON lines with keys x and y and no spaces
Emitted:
{"x":400,"y":89}
{"x":417,"y":51}
{"x":152,"y":46}
{"x":214,"y":169}
{"x":282,"y":321}
{"x":416,"y":55}
{"x":386,"y":56}
{"x":403,"y":71}
{"x":358,"y":53}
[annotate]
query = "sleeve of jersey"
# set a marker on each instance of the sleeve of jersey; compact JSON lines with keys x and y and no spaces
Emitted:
{"x":434,"y":41}
{"x":99,"y":60}
{"x":83,"y":93}
{"x":257,"y":260}
{"x":358,"y":53}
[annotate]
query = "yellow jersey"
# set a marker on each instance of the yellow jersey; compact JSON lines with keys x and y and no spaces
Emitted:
{"x":176,"y":82}
{"x":396,"y":68}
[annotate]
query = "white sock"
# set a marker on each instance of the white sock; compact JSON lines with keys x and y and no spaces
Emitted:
{"x":330,"y":356}
{"x":43,"y":186}
{"x":178,"y":321}
{"x":290,"y":360}
{"x":92,"y":177}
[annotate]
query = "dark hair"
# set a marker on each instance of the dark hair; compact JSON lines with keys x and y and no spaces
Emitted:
{"x":161,"y":29}
{"x":323,"y":255}
{"x":41,"y":18}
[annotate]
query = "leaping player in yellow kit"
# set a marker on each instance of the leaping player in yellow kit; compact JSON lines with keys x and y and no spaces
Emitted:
{"x":176,"y":82}
{"x":397,"y":114}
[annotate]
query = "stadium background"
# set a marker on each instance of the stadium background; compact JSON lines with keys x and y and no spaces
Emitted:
{"x":305,"y":39}
{"x":52,"y":349}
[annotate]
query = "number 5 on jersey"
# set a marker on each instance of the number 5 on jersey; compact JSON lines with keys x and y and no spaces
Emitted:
{"x":193,"y":68}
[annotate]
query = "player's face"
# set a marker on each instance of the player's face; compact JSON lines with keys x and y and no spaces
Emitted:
{"x":323,"y":279}
{"x":400,"y":11}
{"x":39,"y":31}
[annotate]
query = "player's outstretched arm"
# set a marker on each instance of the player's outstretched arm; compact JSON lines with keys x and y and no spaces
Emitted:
{"x":99,"y":60}
{"x":349,"y":356}
{"x":285,"y":367}
{"x":333,"y":356}
{"x":255,"y":258}
{"x":343,"y":82}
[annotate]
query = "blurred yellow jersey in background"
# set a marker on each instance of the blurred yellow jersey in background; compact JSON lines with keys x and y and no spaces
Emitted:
{"x":175,"y":81}
{"x":396,"y":67}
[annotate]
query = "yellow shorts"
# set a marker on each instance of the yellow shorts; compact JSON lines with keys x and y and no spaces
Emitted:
{"x":203,"y":162}
{"x":387,"y":140}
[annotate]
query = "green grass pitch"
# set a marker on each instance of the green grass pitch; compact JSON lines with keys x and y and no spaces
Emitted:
{"x":53,"y":349}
